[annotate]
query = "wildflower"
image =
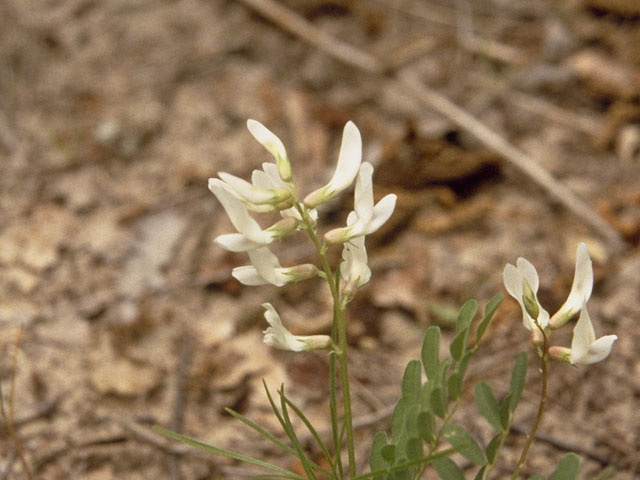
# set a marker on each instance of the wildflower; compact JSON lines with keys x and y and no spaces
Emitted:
{"x":368,"y":218}
{"x":585,"y":349}
{"x":266,"y":269}
{"x":349,"y":160}
{"x":273,"y":145}
{"x":251,"y":235}
{"x":522,"y":283}
{"x":580,"y":290}
{"x":253,"y":194}
{"x":354,"y":269}
{"x":278,"y":336}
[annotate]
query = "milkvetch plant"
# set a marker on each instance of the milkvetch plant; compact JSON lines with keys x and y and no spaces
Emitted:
{"x":431,"y":389}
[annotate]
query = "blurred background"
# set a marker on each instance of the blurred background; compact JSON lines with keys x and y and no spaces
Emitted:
{"x":114,"y":114}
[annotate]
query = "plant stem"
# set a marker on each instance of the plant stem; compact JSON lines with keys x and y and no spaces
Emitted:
{"x":339,"y":337}
{"x":346,"y":395}
{"x":541,"y":406}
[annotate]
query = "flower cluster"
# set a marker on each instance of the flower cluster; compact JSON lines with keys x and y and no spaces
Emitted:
{"x":521,"y":281}
{"x":272,"y":190}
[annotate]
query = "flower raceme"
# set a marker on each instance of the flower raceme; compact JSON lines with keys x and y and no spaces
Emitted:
{"x":522,"y":283}
{"x":272,"y":190}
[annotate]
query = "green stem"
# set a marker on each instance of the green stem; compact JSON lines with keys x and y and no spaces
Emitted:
{"x":346,"y":395}
{"x":541,"y":407}
{"x":339,"y":337}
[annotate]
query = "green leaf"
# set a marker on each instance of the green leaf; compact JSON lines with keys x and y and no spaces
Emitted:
{"x":412,"y":382}
{"x":480,"y":474}
{"x":376,"y":460}
{"x":388,"y":453}
{"x":414,"y":448}
{"x":397,"y":420}
{"x":488,"y":405}
{"x":456,"y":379}
{"x":505,"y":412}
{"x":492,"y":448}
{"x":489,"y":312}
{"x":518,"y":376}
{"x":464,"y":443}
{"x":312,"y":431}
{"x":431,"y":351}
{"x":411,"y":420}
{"x":289,"y":430}
{"x":260,"y":430}
{"x":426,"y":426}
{"x":459,"y":344}
{"x":227,"y":453}
{"x":447,"y":469}
{"x":454,"y":385}
{"x":606,"y":473}
{"x":438,"y":402}
{"x":568,"y":468}
{"x":466,"y":314}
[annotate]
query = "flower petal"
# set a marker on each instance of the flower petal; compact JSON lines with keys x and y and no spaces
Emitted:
{"x":381,"y":213}
{"x":354,"y":266}
{"x":583,"y":337}
{"x":600,"y":349}
{"x":267,"y":266}
{"x":237,"y":212}
{"x":273,"y":145}
{"x":349,"y":160}
{"x":248,"y":275}
{"x":253,"y":194}
{"x":236,"y":242}
{"x":363,"y":195}
{"x":580,"y":289}
{"x":277,"y":335}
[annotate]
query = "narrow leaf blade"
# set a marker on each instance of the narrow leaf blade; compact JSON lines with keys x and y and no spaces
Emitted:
{"x":488,"y":405}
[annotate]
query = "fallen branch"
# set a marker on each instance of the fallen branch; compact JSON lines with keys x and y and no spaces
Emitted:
{"x":344,"y":52}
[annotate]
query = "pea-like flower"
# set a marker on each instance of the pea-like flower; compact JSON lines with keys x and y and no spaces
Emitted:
{"x":349,"y":159}
{"x":354,"y":269}
{"x":522,"y":282}
{"x":278,"y":336}
{"x":273,"y":145}
{"x":368,"y":218}
{"x":580,"y":290}
{"x":585,"y":348}
{"x":266,"y":269}
{"x":251,"y":235}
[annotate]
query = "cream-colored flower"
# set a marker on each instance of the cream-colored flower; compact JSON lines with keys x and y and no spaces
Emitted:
{"x":265,"y":268}
{"x":349,"y":160}
{"x":580,"y":290}
{"x":273,"y":145}
{"x":368,"y":218}
{"x":278,"y":336}
{"x":585,"y":348}
{"x":354,"y":269}
{"x":251,"y":235}
{"x":522,"y":282}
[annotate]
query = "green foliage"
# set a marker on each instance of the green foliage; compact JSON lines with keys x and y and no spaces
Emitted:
{"x":568,"y":468}
{"x":421,"y":417}
{"x":488,"y":405}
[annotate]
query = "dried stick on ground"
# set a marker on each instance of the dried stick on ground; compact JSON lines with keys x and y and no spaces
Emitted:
{"x":293,"y":23}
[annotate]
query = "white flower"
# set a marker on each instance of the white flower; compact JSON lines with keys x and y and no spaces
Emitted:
{"x":580,"y":290}
{"x":368,"y":218}
{"x":354,"y":269}
{"x":585,"y":349}
{"x":522,"y":283}
{"x":273,"y":145}
{"x":250,"y":235}
{"x":349,"y":160}
{"x":253,"y":194}
{"x":278,"y":336}
{"x":266,"y":268}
